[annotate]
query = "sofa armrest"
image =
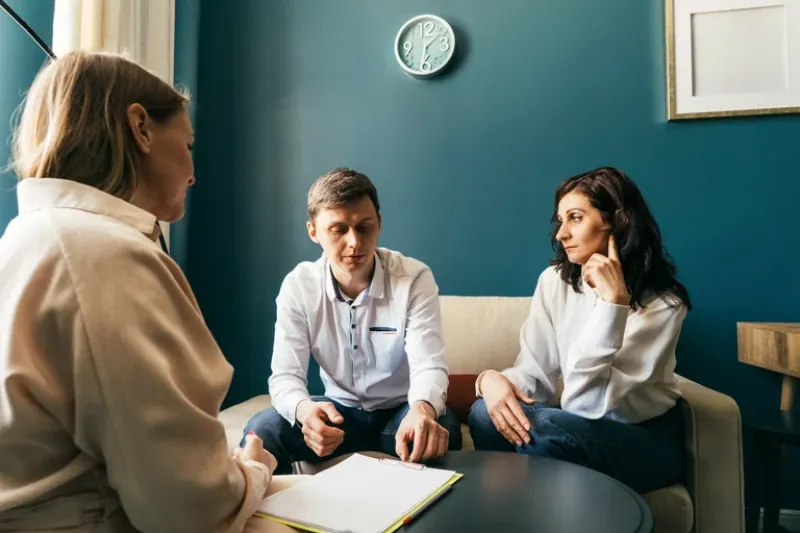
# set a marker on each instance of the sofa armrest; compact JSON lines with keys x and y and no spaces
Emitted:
{"x":715,"y":479}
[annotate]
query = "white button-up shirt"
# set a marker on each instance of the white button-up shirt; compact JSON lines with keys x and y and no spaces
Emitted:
{"x":614,"y":361}
{"x":378,"y":351}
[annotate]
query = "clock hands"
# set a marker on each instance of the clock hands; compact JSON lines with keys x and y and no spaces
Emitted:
{"x":424,"y":54}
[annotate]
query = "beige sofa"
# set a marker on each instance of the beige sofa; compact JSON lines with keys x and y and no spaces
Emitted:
{"x":483,"y":333}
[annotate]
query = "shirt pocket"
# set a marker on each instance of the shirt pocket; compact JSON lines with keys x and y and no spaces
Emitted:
{"x":387,"y":347}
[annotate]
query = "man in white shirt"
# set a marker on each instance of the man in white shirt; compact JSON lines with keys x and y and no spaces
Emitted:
{"x":370,"y":317}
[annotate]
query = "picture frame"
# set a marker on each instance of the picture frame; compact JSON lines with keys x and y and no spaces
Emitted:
{"x":728,"y":58}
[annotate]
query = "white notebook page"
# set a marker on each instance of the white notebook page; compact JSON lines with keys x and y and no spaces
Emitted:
{"x":358,"y":495}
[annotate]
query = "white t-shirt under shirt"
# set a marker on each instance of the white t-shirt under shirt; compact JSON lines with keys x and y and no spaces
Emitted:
{"x":615,"y":361}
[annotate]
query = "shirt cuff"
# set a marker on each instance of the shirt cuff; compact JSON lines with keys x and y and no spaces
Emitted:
{"x":432,"y":396}
{"x":288,"y":407}
{"x":509,"y":374}
{"x":478,"y":382}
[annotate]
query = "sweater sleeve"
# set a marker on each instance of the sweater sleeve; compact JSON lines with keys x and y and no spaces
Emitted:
{"x":148,"y":391}
{"x":617,"y":351}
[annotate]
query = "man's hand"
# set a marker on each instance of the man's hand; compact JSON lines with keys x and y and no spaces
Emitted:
{"x":420,"y":426}
{"x":319,"y":436}
{"x":502,"y":401}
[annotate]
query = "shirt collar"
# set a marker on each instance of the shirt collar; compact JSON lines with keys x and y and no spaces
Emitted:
{"x":375,"y":288}
{"x":41,"y":193}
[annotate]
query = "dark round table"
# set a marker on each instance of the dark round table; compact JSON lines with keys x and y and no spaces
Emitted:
{"x":513,"y":492}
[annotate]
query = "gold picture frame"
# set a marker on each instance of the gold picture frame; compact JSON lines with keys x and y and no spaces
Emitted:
{"x":741,"y":53}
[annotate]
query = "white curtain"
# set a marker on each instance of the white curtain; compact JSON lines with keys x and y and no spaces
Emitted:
{"x":144,"y":30}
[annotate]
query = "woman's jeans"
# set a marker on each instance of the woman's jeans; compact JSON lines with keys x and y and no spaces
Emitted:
{"x":645,"y":456}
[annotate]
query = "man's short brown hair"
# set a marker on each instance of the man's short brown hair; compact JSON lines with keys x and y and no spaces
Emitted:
{"x":340,"y":186}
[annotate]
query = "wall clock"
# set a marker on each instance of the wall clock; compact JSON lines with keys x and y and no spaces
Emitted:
{"x":424,"y":45}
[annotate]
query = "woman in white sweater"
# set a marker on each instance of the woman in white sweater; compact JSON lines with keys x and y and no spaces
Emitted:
{"x":605,"y":318}
{"x":110,"y":381}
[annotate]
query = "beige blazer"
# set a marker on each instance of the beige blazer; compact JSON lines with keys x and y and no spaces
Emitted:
{"x":110,"y":381}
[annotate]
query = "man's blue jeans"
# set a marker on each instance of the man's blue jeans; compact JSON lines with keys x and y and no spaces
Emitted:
{"x":645,"y":457}
{"x":363,"y":431}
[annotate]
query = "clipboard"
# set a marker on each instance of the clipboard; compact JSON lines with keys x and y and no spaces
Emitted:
{"x":359,"y":495}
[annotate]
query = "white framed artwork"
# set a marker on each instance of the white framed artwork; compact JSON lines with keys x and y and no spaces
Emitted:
{"x":730,"y":58}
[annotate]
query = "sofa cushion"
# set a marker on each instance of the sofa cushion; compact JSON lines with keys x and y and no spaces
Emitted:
{"x":481,"y":332}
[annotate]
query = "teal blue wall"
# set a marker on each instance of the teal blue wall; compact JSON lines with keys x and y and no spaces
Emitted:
{"x":20,"y":59}
{"x":466,"y":165}
{"x":187,"y":37}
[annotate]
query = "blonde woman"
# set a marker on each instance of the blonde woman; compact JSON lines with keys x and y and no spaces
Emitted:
{"x":110,"y":381}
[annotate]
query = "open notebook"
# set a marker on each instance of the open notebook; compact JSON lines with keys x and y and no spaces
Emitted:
{"x":359,"y":495}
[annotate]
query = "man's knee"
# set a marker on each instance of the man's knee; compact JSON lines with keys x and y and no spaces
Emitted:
{"x":269,"y":425}
{"x":450,"y":422}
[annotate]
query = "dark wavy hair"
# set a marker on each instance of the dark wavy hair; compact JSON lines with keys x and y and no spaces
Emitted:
{"x":646,"y":265}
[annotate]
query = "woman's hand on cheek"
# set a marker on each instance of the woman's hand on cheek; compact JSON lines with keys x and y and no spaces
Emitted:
{"x":605,"y":274}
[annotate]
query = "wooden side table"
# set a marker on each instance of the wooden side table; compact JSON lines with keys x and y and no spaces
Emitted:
{"x":776,"y":347}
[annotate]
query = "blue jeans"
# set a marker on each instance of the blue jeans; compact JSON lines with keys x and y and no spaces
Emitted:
{"x":645,"y":456}
{"x":363,"y":431}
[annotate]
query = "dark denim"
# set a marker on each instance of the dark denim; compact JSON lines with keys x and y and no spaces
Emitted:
{"x":645,"y":456}
{"x":363,"y":431}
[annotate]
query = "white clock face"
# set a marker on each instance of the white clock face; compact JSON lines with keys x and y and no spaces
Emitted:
{"x":424,"y":45}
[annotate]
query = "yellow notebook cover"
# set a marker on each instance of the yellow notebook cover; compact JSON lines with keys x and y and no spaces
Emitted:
{"x":360,"y":494}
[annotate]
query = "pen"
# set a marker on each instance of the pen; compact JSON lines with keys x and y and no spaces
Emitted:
{"x":410,"y":518}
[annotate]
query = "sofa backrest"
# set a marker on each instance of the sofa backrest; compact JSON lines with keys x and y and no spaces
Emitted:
{"x":482,"y":332}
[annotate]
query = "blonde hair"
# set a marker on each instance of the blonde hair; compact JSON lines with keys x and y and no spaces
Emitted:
{"x":73,"y":121}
